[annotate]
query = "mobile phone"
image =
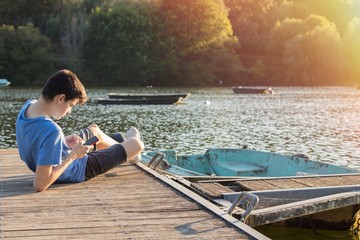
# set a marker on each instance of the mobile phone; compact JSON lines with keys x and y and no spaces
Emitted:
{"x":91,"y":141}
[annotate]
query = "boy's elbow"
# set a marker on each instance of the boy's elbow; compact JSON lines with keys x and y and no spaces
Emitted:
{"x":39,"y":188}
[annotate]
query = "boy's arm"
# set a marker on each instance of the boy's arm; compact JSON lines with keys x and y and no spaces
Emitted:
{"x":46,"y":175}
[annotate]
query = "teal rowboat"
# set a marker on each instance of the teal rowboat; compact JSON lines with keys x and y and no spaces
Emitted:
{"x":261,"y":188}
{"x":240,"y":163}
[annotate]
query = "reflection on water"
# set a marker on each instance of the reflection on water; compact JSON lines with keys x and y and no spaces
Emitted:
{"x":322,"y":123}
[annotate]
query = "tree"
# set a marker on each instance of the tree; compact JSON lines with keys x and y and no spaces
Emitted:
{"x":26,"y":57}
{"x":200,"y":33}
{"x":22,"y":12}
{"x":351,"y":50}
{"x":339,"y":12}
{"x":172,"y":42}
{"x":119,"y":45}
{"x":72,"y":40}
{"x":309,"y":50}
{"x":251,"y":24}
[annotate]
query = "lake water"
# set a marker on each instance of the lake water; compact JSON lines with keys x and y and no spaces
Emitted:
{"x":320,"y":122}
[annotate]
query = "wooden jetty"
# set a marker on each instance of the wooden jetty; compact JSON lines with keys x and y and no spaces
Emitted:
{"x":128,"y":202}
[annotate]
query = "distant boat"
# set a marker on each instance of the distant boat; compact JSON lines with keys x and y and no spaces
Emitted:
{"x":4,"y":82}
{"x":148,"y":96}
{"x":144,"y":98}
{"x":142,"y":101}
{"x":262,"y":90}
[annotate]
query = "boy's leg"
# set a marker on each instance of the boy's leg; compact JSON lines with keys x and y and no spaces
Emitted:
{"x":133,"y":145}
{"x":110,"y":153}
{"x":86,"y":134}
{"x":105,"y":141}
{"x":104,"y":160}
{"x":117,"y":137}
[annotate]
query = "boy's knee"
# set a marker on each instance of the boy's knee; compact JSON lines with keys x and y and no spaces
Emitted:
{"x":94,"y":128}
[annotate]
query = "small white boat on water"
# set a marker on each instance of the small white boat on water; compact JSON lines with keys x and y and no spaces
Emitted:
{"x":4,"y":82}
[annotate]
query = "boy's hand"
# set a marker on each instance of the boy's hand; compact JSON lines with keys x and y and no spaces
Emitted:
{"x":71,"y":140}
{"x":80,"y":149}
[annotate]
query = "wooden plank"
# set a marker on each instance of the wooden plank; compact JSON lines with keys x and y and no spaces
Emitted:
{"x":298,"y":182}
{"x":286,"y":183}
{"x":258,"y":184}
{"x":125,"y":203}
{"x":212,"y":190}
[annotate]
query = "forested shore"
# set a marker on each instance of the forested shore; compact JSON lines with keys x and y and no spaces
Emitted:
{"x":182,"y":42}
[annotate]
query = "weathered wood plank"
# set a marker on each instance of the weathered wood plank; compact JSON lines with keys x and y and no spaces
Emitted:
{"x":298,"y":182}
{"x":126,"y":203}
{"x":211,"y":190}
{"x":258,"y":184}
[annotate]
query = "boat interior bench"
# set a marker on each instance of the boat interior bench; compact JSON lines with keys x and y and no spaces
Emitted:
{"x":238,"y":169}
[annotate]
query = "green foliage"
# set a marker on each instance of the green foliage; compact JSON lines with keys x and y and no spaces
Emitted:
{"x":182,"y":42}
{"x":351,"y":48}
{"x":22,"y":12}
{"x":173,"y":43}
{"x":304,"y":49}
{"x":25,"y":57}
{"x":200,"y":33}
{"x":251,"y":23}
{"x":120,"y":46}
{"x":339,"y":12}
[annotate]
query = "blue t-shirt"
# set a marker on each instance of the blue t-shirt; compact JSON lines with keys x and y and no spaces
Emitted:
{"x":41,"y":142}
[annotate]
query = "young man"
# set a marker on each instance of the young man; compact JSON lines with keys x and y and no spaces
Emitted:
{"x":54,"y":157}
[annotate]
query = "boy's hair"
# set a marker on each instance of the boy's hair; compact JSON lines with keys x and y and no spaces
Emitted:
{"x":64,"y":82}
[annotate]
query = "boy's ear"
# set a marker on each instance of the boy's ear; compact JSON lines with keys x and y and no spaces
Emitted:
{"x":60,"y":97}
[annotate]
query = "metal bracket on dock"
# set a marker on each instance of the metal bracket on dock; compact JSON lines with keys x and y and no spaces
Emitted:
{"x":243,"y":199}
{"x":157,"y":158}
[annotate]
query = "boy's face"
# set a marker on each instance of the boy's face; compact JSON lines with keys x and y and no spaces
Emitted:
{"x":64,"y":107}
